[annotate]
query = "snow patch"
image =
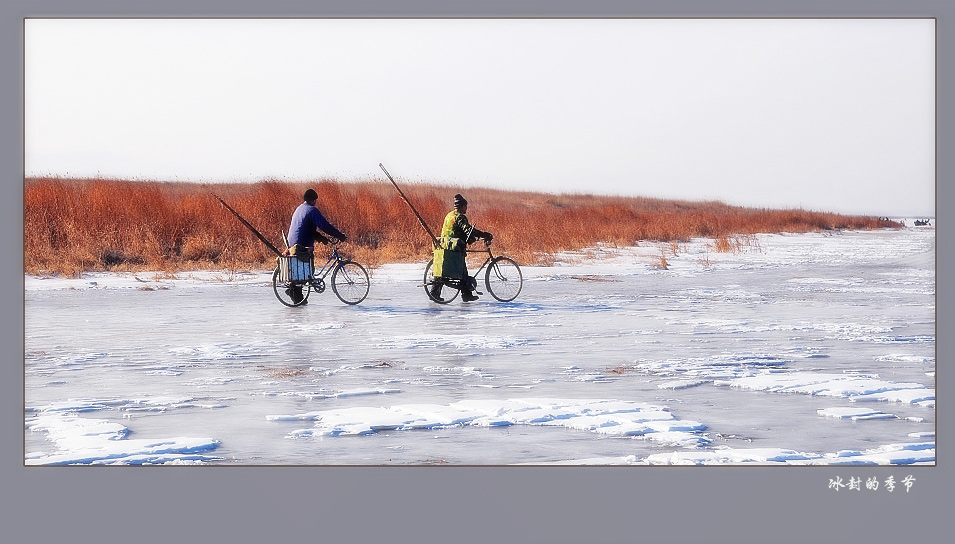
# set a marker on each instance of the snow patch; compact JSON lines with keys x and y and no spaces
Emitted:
{"x":853,"y":387}
{"x":100,"y":442}
{"x":606,"y":417}
{"x":855,"y":414}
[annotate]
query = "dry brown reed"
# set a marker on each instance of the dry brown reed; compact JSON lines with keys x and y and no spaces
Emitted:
{"x":736,"y":243}
{"x":76,"y":225}
{"x":286,"y":372}
{"x":661,"y":263}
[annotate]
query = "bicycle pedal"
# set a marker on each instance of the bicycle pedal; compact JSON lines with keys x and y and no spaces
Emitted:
{"x":479,"y":293}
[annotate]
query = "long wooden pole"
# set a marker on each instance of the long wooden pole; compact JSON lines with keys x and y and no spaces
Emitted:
{"x":434,"y":239}
{"x":247,"y":224}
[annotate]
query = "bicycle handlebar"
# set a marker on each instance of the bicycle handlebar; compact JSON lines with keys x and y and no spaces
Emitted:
{"x":487,"y":249}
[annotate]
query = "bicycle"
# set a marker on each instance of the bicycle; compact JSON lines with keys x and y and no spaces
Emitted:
{"x":503,"y":278}
{"x":349,"y":279}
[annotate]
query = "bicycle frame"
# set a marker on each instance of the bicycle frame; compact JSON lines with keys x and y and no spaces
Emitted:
{"x":490,"y":257}
{"x":316,"y":277}
{"x":326,"y":268}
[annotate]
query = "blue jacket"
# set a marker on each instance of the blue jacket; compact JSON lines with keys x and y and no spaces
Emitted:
{"x":305,"y":221}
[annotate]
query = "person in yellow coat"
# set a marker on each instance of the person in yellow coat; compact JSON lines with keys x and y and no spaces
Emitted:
{"x":456,"y":233}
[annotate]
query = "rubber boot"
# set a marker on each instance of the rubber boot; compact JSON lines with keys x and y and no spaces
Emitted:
{"x":435,"y":292}
{"x":468,"y":295}
{"x":468,"y":285}
{"x":295,"y":293}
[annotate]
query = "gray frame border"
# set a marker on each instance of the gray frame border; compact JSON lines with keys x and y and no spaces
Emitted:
{"x":456,"y":504}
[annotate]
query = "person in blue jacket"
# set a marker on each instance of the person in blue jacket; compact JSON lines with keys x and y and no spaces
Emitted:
{"x":305,"y":229}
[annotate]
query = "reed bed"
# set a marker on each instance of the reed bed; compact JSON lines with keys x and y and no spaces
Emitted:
{"x":76,"y":225}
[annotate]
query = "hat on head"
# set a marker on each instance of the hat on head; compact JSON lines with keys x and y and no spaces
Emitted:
{"x":459,"y":201}
{"x":310,"y":195}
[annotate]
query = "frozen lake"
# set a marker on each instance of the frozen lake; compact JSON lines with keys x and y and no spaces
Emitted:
{"x":799,"y":349}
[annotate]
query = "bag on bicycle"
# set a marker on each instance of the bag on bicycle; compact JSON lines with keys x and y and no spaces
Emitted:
{"x":294,"y":269}
{"x":448,"y":264}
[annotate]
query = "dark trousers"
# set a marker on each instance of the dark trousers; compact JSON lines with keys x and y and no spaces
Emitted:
{"x":466,"y":282}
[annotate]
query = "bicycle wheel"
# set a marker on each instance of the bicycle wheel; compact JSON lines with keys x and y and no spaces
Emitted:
{"x":283,"y":290}
{"x":448,"y":292}
{"x":350,"y":282}
{"x":503,"y":279}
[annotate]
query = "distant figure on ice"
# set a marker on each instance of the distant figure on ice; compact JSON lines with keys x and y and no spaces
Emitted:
{"x":456,"y":234}
{"x":304,"y":231}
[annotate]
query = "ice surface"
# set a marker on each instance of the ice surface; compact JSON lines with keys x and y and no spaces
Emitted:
{"x":765,"y":357}
{"x":891,"y":454}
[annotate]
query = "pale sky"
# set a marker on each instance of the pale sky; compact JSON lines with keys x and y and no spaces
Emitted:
{"x":824,"y":114}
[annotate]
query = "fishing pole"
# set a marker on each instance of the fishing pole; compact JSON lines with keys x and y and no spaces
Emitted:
{"x":247,"y":224}
{"x":434,"y":240}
